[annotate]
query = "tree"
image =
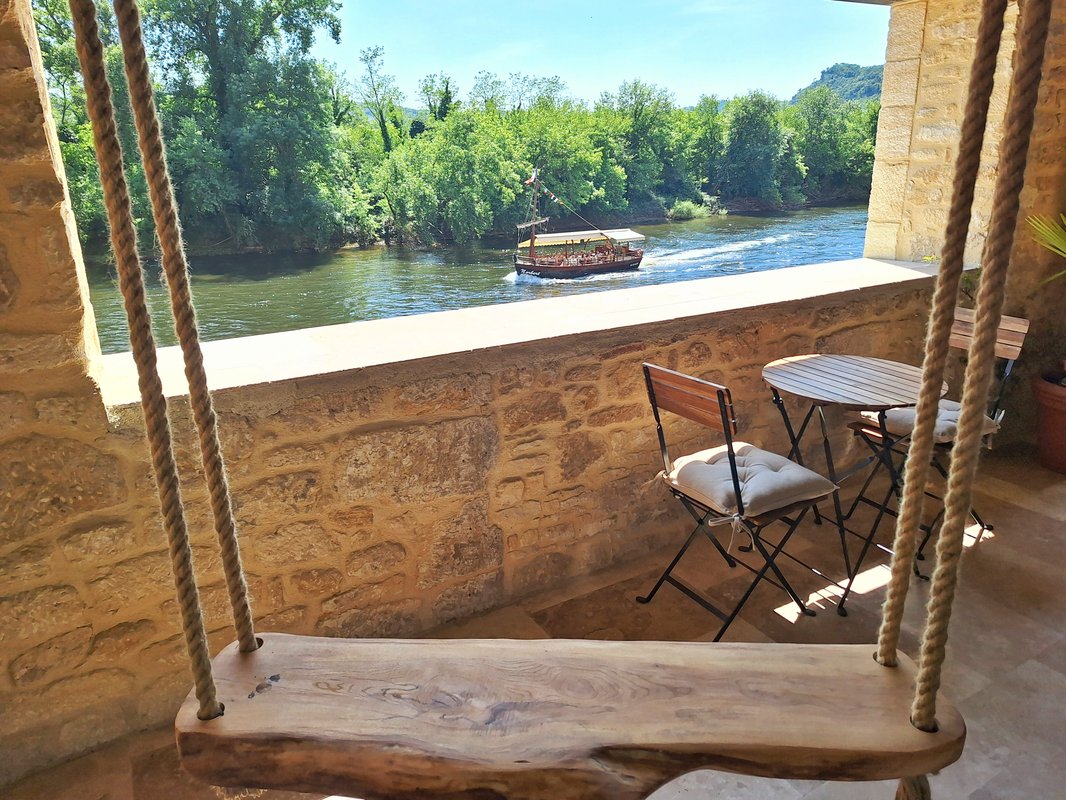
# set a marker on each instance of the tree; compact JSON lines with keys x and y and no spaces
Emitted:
{"x":438,"y":94}
{"x":702,"y":130}
{"x":644,"y":111}
{"x":818,"y":117}
{"x":380,"y":95}
{"x":752,"y":149}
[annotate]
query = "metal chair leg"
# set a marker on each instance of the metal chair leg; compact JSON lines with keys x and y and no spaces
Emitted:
{"x":666,"y":573}
{"x":771,"y":560}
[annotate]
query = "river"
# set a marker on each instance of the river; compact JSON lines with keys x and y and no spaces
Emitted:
{"x":246,"y":295}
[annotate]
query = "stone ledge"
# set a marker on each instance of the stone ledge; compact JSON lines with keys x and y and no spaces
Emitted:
{"x":291,"y":355}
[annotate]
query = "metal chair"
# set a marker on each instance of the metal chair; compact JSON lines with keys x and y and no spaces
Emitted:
{"x":896,"y":426}
{"x":733,"y":484}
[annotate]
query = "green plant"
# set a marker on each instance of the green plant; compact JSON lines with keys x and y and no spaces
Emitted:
{"x":1051,"y":234}
{"x":686,"y":209}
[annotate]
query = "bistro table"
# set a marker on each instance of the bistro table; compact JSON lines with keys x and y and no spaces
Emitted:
{"x":855,"y":383}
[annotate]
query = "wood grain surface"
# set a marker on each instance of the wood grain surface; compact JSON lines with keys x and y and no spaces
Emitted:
{"x":854,"y":382}
{"x":552,"y":719}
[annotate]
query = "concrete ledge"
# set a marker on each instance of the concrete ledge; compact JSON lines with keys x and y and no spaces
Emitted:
{"x":274,"y":357}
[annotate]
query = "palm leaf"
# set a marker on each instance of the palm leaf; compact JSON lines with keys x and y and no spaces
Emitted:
{"x":1050,"y":234}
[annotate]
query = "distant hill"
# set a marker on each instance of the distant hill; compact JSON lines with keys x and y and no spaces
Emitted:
{"x":850,"y":81}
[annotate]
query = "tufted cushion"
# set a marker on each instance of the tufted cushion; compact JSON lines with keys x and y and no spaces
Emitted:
{"x":768,"y":482}
{"x":900,"y":421}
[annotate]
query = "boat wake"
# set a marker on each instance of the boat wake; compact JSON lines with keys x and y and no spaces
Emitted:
{"x":709,"y":255}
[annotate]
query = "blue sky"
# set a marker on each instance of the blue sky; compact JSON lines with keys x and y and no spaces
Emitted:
{"x":691,"y":47}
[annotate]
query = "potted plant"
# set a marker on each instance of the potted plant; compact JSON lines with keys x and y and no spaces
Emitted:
{"x":1049,"y":388}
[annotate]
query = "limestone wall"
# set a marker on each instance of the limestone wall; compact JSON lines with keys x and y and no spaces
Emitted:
{"x":927,"y":68}
{"x":383,"y":502}
{"x":379,"y":503}
{"x":930,"y":48}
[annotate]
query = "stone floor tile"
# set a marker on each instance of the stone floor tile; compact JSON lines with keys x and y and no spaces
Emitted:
{"x":705,"y":784}
{"x":853,"y":790}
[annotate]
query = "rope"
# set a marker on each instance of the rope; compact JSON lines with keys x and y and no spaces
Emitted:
{"x":131,"y":281}
{"x":168,"y":230}
{"x":1025,"y":83}
{"x":920,"y":452}
{"x":916,"y":788}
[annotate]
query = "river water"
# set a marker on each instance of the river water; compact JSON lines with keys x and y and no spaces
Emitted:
{"x":245,"y":295}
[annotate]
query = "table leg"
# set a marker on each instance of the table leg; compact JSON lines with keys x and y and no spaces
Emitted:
{"x":794,"y":438}
{"x":837,"y":509}
{"x":883,"y":454}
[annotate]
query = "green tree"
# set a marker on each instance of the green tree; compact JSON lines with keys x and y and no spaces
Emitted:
{"x":818,"y":118}
{"x":644,"y":112}
{"x":702,"y":131}
{"x":381,"y":97}
{"x":753,"y":148}
{"x":438,"y":94}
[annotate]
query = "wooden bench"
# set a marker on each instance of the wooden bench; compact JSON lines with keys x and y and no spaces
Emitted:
{"x":553,"y":719}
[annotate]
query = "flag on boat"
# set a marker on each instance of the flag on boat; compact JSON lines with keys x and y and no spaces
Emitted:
{"x":532,"y":177}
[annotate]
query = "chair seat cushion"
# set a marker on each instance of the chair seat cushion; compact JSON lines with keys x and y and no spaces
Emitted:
{"x":768,"y":482}
{"x":900,"y":421}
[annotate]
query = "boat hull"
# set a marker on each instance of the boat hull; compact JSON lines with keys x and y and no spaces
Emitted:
{"x":525,"y":266}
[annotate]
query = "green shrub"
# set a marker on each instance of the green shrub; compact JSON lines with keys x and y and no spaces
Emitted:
{"x":686,"y":209}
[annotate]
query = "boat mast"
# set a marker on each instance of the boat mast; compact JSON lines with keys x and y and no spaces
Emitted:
{"x":536,"y":215}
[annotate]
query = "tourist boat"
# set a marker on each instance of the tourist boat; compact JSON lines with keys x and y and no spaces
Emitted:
{"x":572,"y":254}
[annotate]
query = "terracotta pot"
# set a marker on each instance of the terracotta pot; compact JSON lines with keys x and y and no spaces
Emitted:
{"x":1050,"y":421}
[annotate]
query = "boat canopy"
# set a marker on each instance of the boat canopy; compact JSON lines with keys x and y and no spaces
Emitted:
{"x":618,"y":235}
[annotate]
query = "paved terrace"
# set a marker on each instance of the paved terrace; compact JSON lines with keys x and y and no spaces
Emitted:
{"x":1006,"y":668}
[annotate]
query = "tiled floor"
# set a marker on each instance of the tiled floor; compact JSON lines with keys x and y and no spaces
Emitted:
{"x":1006,"y":668}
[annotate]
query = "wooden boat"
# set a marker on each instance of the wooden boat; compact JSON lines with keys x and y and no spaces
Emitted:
{"x":572,"y":254}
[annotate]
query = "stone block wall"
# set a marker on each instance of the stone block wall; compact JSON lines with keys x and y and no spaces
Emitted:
{"x":927,"y":68}
{"x":379,"y":503}
{"x":383,"y":502}
{"x":930,"y":48}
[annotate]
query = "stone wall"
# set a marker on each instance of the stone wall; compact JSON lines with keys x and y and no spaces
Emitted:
{"x":930,"y":48}
{"x":927,"y":69}
{"x":383,"y":502}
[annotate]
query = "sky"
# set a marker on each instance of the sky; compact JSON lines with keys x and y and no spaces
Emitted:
{"x":691,"y":47}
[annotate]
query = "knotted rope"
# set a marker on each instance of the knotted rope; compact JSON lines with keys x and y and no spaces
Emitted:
{"x":142,"y":343}
{"x":945,"y":297}
{"x":1033,"y":26}
{"x":1025,"y":81}
{"x":168,"y":231}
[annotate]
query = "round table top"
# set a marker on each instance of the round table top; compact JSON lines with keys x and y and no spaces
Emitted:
{"x":854,"y":382}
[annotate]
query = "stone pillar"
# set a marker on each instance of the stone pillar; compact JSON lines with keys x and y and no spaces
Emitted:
{"x":1028,"y":294}
{"x":56,"y":472}
{"x":928,"y":59}
{"x":927,"y":67}
{"x":46,"y":320}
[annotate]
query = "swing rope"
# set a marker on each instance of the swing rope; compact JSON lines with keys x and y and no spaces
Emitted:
{"x":1032,"y":34}
{"x":142,"y":343}
{"x":1034,"y":22}
{"x":168,"y":231}
{"x":945,"y":298}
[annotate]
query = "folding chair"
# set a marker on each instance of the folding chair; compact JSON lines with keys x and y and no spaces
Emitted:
{"x":898,"y":424}
{"x":734,"y":484}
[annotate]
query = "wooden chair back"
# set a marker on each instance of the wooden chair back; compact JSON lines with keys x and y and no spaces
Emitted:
{"x":692,"y":398}
{"x":701,"y":401}
{"x":1009,"y":338}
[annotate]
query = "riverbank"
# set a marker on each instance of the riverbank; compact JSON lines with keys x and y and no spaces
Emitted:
{"x":241,"y":295}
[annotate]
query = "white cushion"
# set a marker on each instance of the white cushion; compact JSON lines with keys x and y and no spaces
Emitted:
{"x":768,"y":482}
{"x":900,"y":421}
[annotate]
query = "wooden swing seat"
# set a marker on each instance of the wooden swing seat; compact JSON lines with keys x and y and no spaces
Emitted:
{"x":487,"y":719}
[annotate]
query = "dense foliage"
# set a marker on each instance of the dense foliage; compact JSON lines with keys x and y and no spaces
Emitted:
{"x":271,"y":149}
{"x":851,"y":81}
